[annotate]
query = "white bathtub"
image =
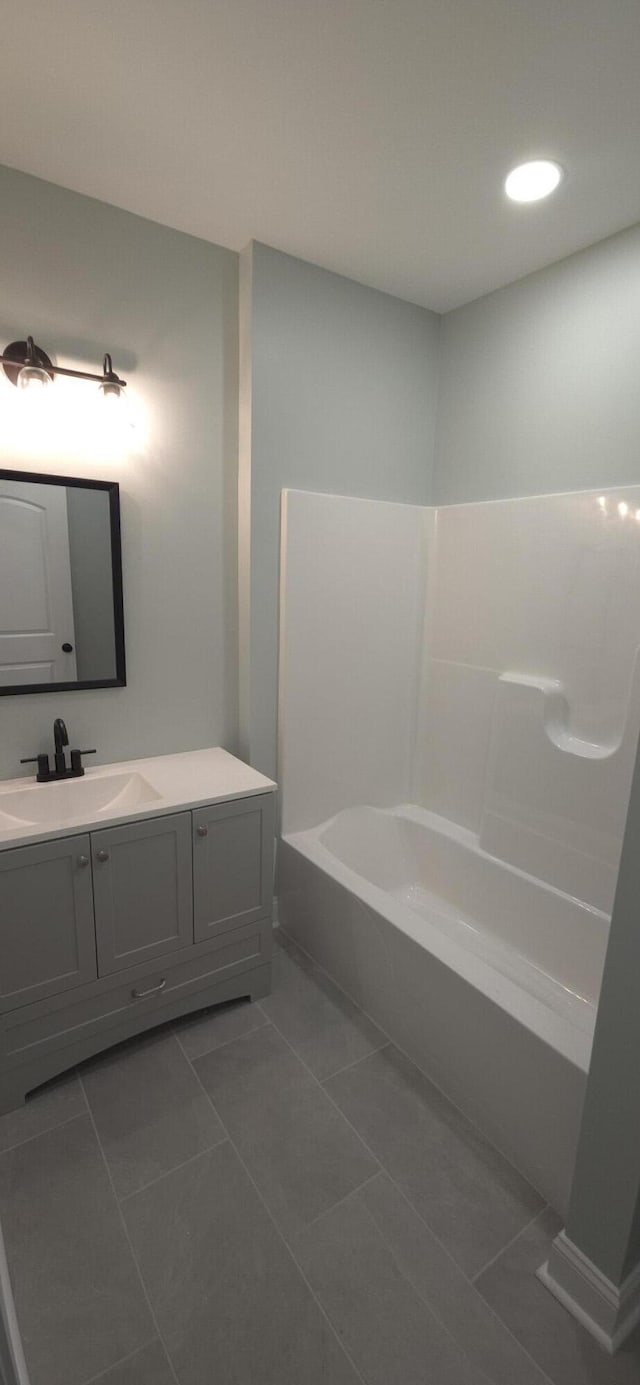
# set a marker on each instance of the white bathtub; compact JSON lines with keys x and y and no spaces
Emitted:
{"x":486,"y":977}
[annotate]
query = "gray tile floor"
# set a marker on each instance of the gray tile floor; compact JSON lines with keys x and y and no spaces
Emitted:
{"x":272,"y":1193}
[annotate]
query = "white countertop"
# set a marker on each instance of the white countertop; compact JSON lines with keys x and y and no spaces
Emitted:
{"x":178,"y":782}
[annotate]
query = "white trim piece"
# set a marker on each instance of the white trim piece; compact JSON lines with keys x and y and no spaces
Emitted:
{"x":13,"y":1367}
{"x":608,"y":1311}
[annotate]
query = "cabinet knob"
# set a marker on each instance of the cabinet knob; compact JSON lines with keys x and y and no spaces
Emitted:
{"x":83,"y":861}
{"x":102,"y":855}
{"x":202,"y":830}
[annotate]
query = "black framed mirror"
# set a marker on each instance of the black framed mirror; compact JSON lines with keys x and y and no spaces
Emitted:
{"x":61,"y":613}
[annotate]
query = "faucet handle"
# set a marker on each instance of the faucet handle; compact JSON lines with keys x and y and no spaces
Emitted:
{"x":76,"y":760}
{"x":42,"y":761}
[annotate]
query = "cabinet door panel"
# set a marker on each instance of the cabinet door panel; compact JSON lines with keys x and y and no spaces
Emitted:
{"x":232,"y":864}
{"x":46,"y":920}
{"x":142,"y":890}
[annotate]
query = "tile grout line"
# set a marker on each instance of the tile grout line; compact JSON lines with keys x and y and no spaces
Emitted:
{"x":285,"y":1243}
{"x":379,"y":1173}
{"x":488,"y":1305}
{"x":354,"y":1061}
{"x":127,"y":1236}
{"x":489,"y":1308}
{"x":511,"y":1242}
{"x":383,"y":1169}
{"x":429,"y":1307}
{"x":329,"y":1097}
{"x":352,"y":1064}
{"x":268,"y":1023}
{"x":385,"y":1172}
{"x":425,"y":1075}
{"x":48,"y":1130}
{"x":315,"y":966}
{"x":196,"y":1056}
{"x":175,"y":1169}
{"x":95,"y":1379}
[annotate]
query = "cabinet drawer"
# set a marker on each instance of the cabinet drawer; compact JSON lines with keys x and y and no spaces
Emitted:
{"x":29,"y":1033}
{"x":232,"y":864}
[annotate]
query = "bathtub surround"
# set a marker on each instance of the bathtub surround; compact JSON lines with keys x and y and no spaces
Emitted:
{"x":506,"y":701}
{"x":353,"y":576}
{"x":80,"y":273}
{"x":508,"y":721}
{"x":338,"y":388}
{"x":531,"y":696}
{"x":594,"y":1265}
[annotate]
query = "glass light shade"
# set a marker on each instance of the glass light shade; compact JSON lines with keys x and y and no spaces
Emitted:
{"x":33,"y":378}
{"x":115,"y":410}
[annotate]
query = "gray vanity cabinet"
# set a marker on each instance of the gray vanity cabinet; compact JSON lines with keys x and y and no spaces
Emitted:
{"x":232,"y":864}
{"x":46,"y":908}
{"x":114,"y":931}
{"x":142,"y":891}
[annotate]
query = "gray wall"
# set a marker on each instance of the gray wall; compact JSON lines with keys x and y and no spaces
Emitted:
{"x":91,"y":582}
{"x":338,"y":393}
{"x":84,"y":277}
{"x":539,"y":381}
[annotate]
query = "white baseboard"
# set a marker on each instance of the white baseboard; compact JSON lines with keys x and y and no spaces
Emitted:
{"x":607,"y":1310}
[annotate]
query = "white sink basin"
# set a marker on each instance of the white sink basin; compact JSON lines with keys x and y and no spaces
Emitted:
{"x":62,"y":802}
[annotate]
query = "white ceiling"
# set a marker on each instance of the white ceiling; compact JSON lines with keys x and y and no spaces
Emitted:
{"x":369,"y":136}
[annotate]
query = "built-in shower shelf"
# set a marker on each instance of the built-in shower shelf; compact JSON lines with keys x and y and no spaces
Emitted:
{"x":556,"y":714}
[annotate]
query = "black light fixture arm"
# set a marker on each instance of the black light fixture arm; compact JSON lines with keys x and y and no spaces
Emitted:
{"x":21,"y":353}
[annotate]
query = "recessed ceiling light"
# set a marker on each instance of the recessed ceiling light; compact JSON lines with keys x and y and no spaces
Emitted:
{"x":531,"y":181}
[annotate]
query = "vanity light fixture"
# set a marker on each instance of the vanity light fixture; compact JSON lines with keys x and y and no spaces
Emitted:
{"x":29,"y":368}
{"x":529,"y":182}
{"x":111,"y":386}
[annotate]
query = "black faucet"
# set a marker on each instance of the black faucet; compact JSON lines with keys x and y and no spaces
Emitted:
{"x":46,"y":775}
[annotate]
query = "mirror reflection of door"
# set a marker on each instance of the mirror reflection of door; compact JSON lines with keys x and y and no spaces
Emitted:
{"x":36,"y":605}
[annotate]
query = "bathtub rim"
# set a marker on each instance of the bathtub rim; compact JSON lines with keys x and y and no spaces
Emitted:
{"x":572,"y":1040}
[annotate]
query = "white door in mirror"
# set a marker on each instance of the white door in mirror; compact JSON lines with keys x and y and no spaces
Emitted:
{"x":36,"y":607}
